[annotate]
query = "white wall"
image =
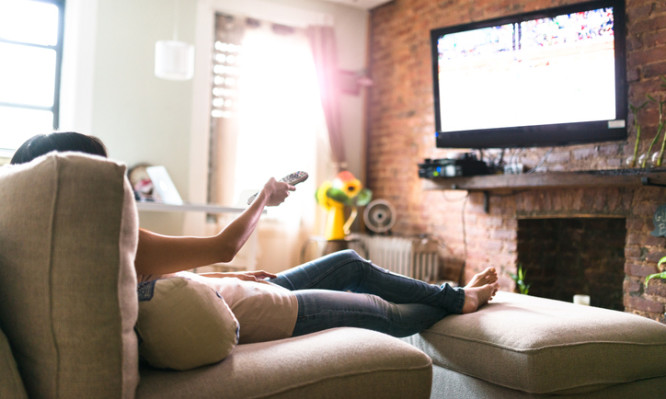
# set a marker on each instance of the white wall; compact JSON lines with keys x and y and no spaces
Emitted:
{"x":110,"y":90}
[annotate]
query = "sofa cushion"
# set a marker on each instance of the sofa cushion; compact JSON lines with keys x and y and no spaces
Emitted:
{"x":539,"y":345}
{"x":68,"y":236}
{"x":12,"y":385}
{"x":336,"y":363}
{"x":183,"y":324}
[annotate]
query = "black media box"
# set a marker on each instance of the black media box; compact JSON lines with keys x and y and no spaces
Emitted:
{"x":466,"y":165}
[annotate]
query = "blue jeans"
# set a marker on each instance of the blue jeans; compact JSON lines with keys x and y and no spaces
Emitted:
{"x":343,"y":289}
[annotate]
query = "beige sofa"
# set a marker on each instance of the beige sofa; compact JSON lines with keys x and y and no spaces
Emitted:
{"x":68,"y":307}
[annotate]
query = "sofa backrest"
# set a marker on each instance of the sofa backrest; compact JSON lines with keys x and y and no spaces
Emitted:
{"x":68,"y":305}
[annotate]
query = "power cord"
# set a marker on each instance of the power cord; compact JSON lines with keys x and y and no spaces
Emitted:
{"x":464,"y":240}
{"x":541,"y":161}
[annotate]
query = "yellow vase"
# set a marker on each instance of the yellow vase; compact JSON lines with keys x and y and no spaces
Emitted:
{"x":335,"y":221}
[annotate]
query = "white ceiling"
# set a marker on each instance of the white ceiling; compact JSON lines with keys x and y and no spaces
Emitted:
{"x":364,"y":4}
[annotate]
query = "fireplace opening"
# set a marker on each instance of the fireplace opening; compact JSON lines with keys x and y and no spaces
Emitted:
{"x":563,"y":257}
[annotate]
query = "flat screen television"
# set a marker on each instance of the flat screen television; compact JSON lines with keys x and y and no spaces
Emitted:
{"x":546,"y":78}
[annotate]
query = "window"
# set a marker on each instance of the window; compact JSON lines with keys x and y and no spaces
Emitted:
{"x":31,"y":35}
{"x":266,"y":120}
{"x":266,"y":113}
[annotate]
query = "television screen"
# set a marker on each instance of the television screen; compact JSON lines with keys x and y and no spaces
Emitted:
{"x":552,"y":77}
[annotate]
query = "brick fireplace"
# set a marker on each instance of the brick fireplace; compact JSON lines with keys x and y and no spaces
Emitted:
{"x":590,"y":239}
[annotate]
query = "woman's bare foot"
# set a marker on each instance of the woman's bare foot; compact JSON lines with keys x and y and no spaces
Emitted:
{"x":475,"y":297}
{"x":488,"y":276}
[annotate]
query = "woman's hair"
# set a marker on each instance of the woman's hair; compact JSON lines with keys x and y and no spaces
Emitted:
{"x":66,"y":141}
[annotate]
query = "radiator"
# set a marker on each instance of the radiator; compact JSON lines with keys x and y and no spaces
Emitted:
{"x":412,"y":257}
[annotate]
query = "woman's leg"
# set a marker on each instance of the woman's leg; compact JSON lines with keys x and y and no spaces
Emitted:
{"x":322,"y":309}
{"x":347,"y":271}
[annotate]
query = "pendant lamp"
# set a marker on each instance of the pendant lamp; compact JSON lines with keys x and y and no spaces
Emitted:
{"x":174,"y":59}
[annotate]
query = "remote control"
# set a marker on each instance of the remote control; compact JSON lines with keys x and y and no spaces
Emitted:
{"x":292,"y":178}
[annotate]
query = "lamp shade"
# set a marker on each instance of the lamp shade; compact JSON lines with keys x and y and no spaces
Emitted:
{"x":174,"y":60}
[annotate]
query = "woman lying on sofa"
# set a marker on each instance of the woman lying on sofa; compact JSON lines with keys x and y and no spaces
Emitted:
{"x":340,"y":289}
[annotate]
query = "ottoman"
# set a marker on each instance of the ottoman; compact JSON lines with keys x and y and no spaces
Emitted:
{"x":521,"y":346}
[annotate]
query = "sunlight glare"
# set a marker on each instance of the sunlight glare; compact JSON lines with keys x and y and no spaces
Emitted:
{"x":29,"y":22}
{"x":30,"y":80}
{"x":279,"y":108}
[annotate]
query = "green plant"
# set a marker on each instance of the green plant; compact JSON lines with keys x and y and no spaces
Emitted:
{"x":634,"y":111}
{"x":519,"y":279}
{"x":660,"y":107}
{"x":660,"y":127}
{"x":661,"y":275}
{"x":660,"y":102}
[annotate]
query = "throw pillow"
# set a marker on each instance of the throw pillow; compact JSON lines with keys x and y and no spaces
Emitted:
{"x":183,"y":324}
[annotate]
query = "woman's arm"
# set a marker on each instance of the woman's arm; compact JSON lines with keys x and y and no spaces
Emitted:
{"x":159,"y":254}
{"x":256,"y":275}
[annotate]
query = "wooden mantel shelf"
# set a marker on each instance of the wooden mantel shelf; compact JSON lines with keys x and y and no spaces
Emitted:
{"x":595,"y":178}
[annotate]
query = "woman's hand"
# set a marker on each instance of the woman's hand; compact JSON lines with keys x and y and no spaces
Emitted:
{"x":257,"y":275}
{"x":276,"y":191}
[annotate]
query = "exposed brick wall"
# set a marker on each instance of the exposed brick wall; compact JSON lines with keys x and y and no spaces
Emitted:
{"x":401,"y":134}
